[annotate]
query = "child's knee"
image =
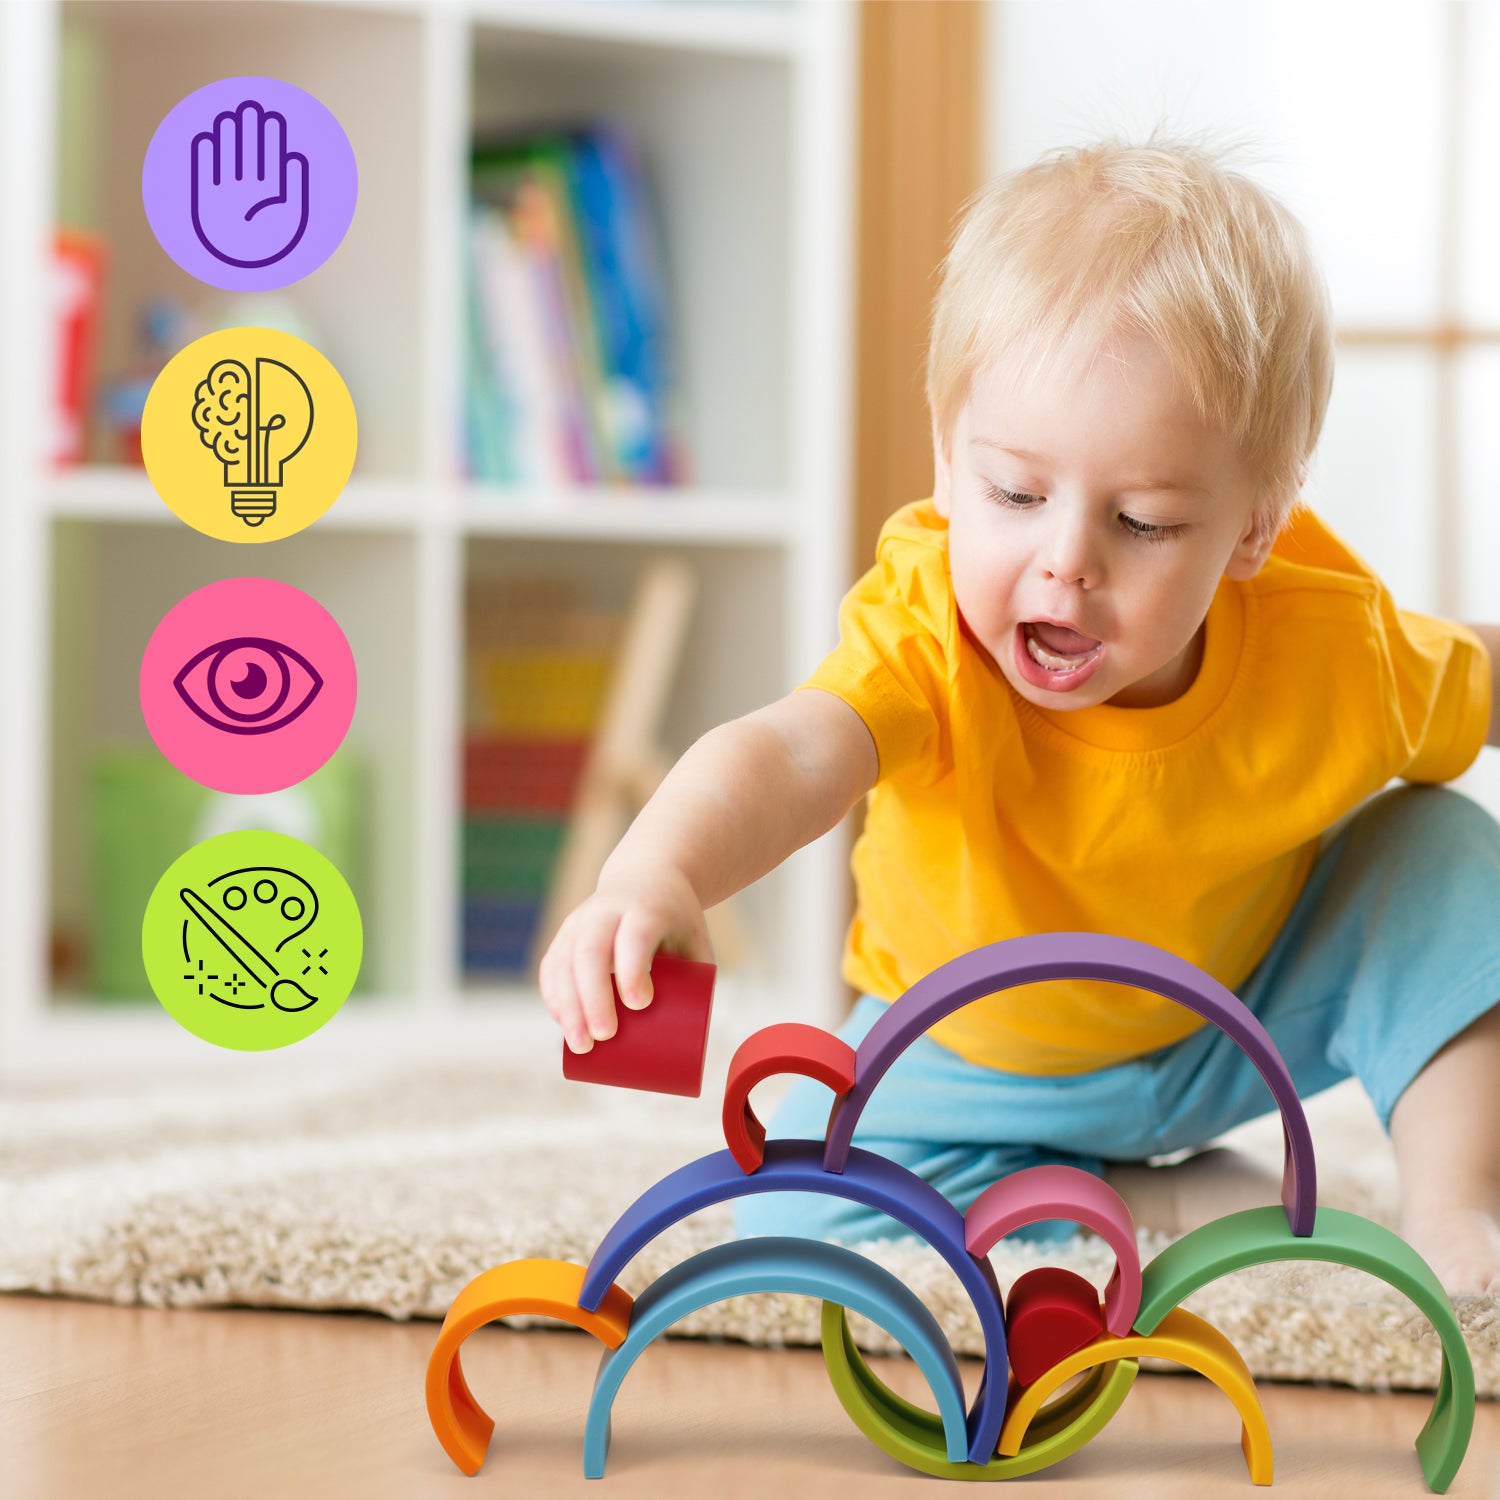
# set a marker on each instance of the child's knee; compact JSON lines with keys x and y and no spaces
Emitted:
{"x":1450,"y":825}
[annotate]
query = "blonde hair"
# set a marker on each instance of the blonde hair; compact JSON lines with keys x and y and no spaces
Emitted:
{"x":1158,"y":239}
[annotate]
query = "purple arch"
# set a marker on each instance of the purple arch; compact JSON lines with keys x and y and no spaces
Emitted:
{"x":1081,"y":955}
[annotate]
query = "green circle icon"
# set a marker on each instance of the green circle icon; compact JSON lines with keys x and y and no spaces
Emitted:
{"x":252,"y":940}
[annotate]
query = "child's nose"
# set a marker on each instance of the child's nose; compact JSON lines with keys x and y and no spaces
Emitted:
{"x":1071,"y":557}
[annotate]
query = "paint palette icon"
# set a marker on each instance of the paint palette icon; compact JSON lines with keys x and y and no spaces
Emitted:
{"x":252,"y":939}
{"x":220,"y":921}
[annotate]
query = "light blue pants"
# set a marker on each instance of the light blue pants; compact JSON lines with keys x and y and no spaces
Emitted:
{"x":1392,"y":949}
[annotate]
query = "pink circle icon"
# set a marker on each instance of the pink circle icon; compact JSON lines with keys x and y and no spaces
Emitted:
{"x":247,"y":685}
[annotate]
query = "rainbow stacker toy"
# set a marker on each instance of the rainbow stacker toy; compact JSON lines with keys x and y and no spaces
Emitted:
{"x":1051,"y":1327}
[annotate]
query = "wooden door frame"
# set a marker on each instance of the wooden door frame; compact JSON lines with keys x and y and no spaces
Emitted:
{"x":921,"y":149}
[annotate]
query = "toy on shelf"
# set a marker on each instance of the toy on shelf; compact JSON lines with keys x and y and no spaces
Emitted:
{"x":536,"y":667}
{"x":565,"y":707}
{"x":626,"y":762}
{"x":165,"y":325}
{"x":76,"y":289}
{"x":1053,"y":1325}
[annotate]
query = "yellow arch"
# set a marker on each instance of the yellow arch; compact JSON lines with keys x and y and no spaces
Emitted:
{"x":1183,"y":1338}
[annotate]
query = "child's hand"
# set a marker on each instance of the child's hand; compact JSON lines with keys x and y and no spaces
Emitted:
{"x":618,"y":930}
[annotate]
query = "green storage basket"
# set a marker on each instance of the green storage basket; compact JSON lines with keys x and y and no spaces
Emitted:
{"x":143,"y":813}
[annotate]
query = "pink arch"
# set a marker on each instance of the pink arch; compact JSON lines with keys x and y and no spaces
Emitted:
{"x":1059,"y":1192}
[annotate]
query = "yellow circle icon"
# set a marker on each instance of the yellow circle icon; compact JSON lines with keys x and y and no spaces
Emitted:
{"x":249,"y":434}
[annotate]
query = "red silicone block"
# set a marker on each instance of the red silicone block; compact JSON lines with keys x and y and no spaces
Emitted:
{"x":1049,"y":1314}
{"x":662,"y":1047}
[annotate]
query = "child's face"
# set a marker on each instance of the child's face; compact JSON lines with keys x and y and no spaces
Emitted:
{"x":1088,"y":540}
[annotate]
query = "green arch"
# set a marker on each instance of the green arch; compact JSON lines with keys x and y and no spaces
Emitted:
{"x":915,"y":1437}
{"x":1258,"y":1235}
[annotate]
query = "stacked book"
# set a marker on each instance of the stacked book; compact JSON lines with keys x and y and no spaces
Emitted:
{"x":569,"y":372}
{"x":537,"y":675}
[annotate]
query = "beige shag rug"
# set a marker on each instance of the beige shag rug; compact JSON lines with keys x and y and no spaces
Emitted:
{"x":387,"y":1189}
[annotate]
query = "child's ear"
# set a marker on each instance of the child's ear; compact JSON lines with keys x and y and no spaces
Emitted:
{"x":942,"y":474}
{"x":1251,"y":551}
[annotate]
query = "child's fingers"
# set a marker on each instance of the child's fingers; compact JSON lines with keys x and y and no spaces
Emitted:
{"x":635,"y":947}
{"x":560,"y":996}
{"x":591,"y":978}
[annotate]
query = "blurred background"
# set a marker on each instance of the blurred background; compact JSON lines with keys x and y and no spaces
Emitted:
{"x":632,"y":311}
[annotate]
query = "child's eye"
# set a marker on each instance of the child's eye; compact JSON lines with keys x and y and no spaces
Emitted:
{"x":1014,"y":498}
{"x":1146,"y":531}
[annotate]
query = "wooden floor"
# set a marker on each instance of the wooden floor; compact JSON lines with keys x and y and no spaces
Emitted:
{"x":134,"y":1404}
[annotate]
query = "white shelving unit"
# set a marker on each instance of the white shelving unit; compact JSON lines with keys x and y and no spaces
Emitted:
{"x":745,"y":115}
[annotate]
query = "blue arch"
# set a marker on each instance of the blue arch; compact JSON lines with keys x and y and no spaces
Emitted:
{"x":797,"y":1166}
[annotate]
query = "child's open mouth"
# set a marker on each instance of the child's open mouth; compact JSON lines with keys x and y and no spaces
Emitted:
{"x":1054,"y":657}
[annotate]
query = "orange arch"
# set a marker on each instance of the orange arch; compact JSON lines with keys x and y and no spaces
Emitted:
{"x":548,"y":1287}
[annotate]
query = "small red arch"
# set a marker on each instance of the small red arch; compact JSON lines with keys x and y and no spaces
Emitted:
{"x":788,"y":1047}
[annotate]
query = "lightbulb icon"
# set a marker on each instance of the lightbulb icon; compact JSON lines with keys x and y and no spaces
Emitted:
{"x":253,"y":425}
{"x":250,"y":393}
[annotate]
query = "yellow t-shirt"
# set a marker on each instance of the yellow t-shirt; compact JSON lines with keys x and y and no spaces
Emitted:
{"x":1192,"y":826}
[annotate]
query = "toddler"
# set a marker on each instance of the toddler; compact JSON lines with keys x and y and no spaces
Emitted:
{"x":1114,"y":677}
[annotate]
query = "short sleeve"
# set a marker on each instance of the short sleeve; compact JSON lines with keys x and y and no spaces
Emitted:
{"x":1442,"y":684}
{"x":891,"y":663}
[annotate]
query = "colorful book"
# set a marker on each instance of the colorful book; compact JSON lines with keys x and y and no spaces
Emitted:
{"x":618,"y":230}
{"x":543,"y":228}
{"x":576,"y":210}
{"x":521,"y":347}
{"x":490,"y":413}
{"x":526,"y":185}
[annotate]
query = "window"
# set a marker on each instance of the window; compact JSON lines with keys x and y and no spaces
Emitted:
{"x":1379,"y":125}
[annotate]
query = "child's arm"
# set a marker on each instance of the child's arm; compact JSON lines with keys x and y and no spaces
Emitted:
{"x":743,"y":798}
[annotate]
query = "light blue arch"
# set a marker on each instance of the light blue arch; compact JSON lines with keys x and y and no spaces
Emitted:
{"x":779,"y":1263}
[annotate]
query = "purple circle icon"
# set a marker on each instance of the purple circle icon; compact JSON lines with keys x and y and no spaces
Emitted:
{"x":247,"y":685}
{"x":249,"y":184}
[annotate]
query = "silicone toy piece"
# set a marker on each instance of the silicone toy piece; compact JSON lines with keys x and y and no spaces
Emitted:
{"x":1183,"y":1338}
{"x":661,"y":1048}
{"x":1256,"y":1235}
{"x":1053,"y":1329}
{"x":1049,"y":1314}
{"x":790,"y":1047}
{"x":915,"y":1437}
{"x":1080,"y":955}
{"x":779,"y":1264}
{"x":795,"y":1166}
{"x":1058,"y":1192}
{"x":549,"y":1287}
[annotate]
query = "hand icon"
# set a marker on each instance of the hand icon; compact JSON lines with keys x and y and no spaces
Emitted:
{"x":249,"y":193}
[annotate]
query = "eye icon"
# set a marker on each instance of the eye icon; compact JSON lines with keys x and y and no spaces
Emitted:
{"x":248,"y":685}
